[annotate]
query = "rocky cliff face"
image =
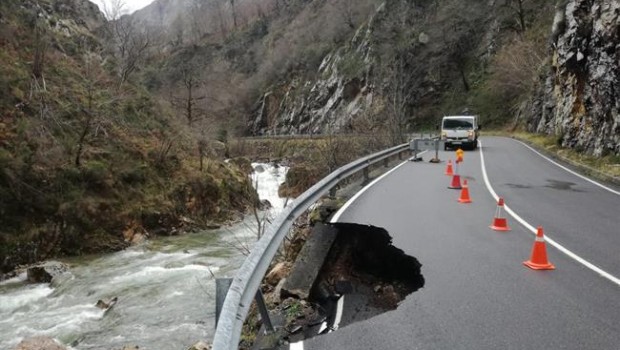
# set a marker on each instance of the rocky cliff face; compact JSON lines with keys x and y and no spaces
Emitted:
{"x":328,"y":103}
{"x":67,"y":17}
{"x":580,"y":101}
{"x":395,"y":72}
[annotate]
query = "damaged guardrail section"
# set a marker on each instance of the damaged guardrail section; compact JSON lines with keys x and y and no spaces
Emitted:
{"x":247,"y":281}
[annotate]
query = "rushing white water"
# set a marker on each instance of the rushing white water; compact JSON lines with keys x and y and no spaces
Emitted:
{"x":165,"y":289}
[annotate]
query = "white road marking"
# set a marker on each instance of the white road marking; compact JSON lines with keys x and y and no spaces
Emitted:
{"x":297,"y":346}
{"x":344,"y":208}
{"x":557,"y":245}
{"x":323,"y":327}
{"x":338,"y":318}
{"x":335,"y":218}
{"x":570,"y":171}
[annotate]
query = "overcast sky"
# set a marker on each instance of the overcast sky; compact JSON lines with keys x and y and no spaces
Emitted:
{"x":130,"y":5}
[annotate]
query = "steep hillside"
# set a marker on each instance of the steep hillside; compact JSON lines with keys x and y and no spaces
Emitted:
{"x":89,"y":162}
{"x":407,"y":65}
{"x":579,"y":102}
{"x":340,"y":66}
{"x":278,"y":67}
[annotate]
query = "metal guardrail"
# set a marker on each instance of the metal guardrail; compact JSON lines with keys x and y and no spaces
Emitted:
{"x":247,"y":281}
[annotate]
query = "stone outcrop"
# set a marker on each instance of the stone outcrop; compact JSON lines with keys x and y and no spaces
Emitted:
{"x":580,"y":100}
{"x":68,"y":17}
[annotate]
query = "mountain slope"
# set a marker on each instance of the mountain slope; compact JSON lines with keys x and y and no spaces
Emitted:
{"x":86,"y":163}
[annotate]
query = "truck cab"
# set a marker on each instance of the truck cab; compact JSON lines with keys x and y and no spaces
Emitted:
{"x":460,"y":131}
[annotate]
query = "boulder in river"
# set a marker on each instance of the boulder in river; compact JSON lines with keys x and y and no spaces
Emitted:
{"x":45,"y":272}
{"x":39,"y":343}
{"x":106,"y":304}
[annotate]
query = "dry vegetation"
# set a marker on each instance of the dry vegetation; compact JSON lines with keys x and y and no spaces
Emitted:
{"x":86,"y":154}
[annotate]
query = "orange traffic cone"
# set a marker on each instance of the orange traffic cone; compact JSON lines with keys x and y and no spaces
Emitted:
{"x":465,"y":193}
{"x":499,"y":222}
{"x":449,"y":170}
{"x":539,"y":261}
{"x":456,"y":182}
{"x":456,"y":178}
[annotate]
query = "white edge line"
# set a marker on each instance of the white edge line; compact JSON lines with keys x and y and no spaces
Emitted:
{"x":297,"y":346}
{"x":557,"y":245}
{"x":340,"y":306}
{"x":338,"y":318}
{"x":567,"y":169}
{"x":344,"y":208}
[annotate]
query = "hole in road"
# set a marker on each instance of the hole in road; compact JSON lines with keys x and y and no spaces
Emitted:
{"x":371,"y":274}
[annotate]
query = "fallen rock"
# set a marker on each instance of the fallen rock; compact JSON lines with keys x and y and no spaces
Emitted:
{"x":44,"y":273}
{"x":39,"y":343}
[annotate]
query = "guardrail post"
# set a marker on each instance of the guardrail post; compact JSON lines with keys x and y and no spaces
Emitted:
{"x":264,"y":313}
{"x":221,"y":289}
{"x":366,"y":175}
{"x":386,"y":162}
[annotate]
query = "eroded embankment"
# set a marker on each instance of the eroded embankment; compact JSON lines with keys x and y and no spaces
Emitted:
{"x":364,"y":275}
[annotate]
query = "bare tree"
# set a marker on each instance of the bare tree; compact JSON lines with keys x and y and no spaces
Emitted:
{"x":518,"y":9}
{"x":188,"y":103}
{"x":131,"y":42}
{"x":399,"y":99}
{"x":114,"y":9}
{"x":233,"y":13}
{"x":199,"y":19}
{"x":40,"y":49}
{"x":90,"y":115}
{"x":216,"y":7}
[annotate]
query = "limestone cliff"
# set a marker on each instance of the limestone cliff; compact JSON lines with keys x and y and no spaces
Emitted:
{"x":580,"y":100}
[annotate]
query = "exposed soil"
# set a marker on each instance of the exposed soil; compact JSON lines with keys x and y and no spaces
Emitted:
{"x":363,"y":266}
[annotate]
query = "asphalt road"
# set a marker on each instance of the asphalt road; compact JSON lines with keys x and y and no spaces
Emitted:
{"x":478,"y":295}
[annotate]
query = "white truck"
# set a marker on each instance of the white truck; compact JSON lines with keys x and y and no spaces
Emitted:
{"x":460,"y":131}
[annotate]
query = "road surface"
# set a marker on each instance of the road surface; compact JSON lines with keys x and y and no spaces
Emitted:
{"x":478,"y":295}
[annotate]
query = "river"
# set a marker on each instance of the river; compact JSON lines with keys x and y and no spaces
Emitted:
{"x":165,"y":288}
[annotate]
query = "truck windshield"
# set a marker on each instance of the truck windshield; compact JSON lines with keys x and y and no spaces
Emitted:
{"x":458,"y":124}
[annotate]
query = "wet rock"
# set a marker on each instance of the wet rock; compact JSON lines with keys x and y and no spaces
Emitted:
{"x":259,"y":169}
{"x":200,"y":346}
{"x":106,"y":304}
{"x":40,"y":343}
{"x":135,"y":233}
{"x":44,"y":273}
